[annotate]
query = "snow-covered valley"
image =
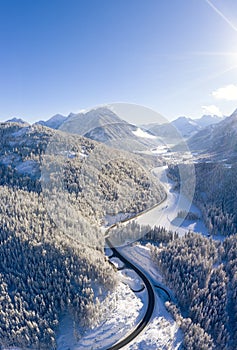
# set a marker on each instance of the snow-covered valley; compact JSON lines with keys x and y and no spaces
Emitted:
{"x":128,"y":305}
{"x":166,"y":214}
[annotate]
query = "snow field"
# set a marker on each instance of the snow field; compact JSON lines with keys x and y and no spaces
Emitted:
{"x":122,"y":311}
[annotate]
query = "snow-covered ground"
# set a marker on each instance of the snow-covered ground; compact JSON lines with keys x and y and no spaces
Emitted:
{"x":124,"y":311}
{"x":121,"y":313}
{"x":142,"y":133}
{"x":162,"y":332}
{"x":140,"y":256}
{"x":128,"y":309}
{"x":112,"y":219}
{"x":166,"y":214}
{"x":117,"y":263}
{"x":162,"y":149}
{"x":131,"y":278}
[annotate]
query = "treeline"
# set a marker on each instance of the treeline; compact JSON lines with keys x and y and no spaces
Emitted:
{"x":215,"y":194}
{"x":132,"y":231}
{"x":202,"y":273}
{"x":159,"y":234}
{"x":183,"y":214}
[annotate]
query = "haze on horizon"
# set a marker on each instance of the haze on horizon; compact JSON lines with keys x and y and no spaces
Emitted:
{"x":177,"y":58}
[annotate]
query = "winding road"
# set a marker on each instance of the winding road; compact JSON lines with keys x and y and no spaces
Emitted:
{"x":173,"y":202}
{"x":151,"y":300}
{"x":151,"y":294}
{"x":150,"y":288}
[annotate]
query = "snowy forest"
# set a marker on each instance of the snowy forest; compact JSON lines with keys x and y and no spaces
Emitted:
{"x":202,"y":273}
{"x":55,"y":190}
{"x":215,"y":194}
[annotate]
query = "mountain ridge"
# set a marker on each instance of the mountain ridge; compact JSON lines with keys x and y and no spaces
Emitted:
{"x":182,"y":127}
{"x":217,"y":140}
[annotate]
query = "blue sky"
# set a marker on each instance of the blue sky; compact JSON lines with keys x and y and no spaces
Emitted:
{"x":178,"y":57}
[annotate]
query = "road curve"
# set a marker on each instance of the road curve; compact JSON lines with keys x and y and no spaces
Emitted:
{"x":151,"y":295}
{"x":151,"y":300}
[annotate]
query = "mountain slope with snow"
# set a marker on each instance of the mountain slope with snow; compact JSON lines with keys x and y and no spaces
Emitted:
{"x":181,"y":127}
{"x":207,"y":120}
{"x":55,"y":191}
{"x":103,"y":125}
{"x":54,"y":122}
{"x":16,"y":120}
{"x":219,"y":140}
{"x":186,"y":126}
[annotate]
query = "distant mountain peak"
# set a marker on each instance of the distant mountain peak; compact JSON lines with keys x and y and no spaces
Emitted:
{"x":16,"y":120}
{"x":54,"y":122}
{"x":87,"y":121}
{"x":104,"y":109}
{"x":102,"y":124}
{"x":181,"y":118}
{"x":218,"y":140}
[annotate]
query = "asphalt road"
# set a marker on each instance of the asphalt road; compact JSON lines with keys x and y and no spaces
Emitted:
{"x":151,"y":295}
{"x":151,"y":300}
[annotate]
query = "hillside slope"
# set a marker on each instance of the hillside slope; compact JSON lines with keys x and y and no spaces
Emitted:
{"x":54,"y":122}
{"x":219,"y":141}
{"x":103,"y":125}
{"x":181,"y":127}
{"x":55,"y":190}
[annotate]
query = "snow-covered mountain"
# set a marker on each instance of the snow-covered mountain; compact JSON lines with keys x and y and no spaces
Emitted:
{"x":23,"y":148}
{"x":182,"y":127}
{"x":54,"y":122}
{"x":16,"y":120}
{"x":207,"y":120}
{"x":86,"y":122}
{"x":103,"y":125}
{"x":186,"y":126}
{"x":219,"y":140}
